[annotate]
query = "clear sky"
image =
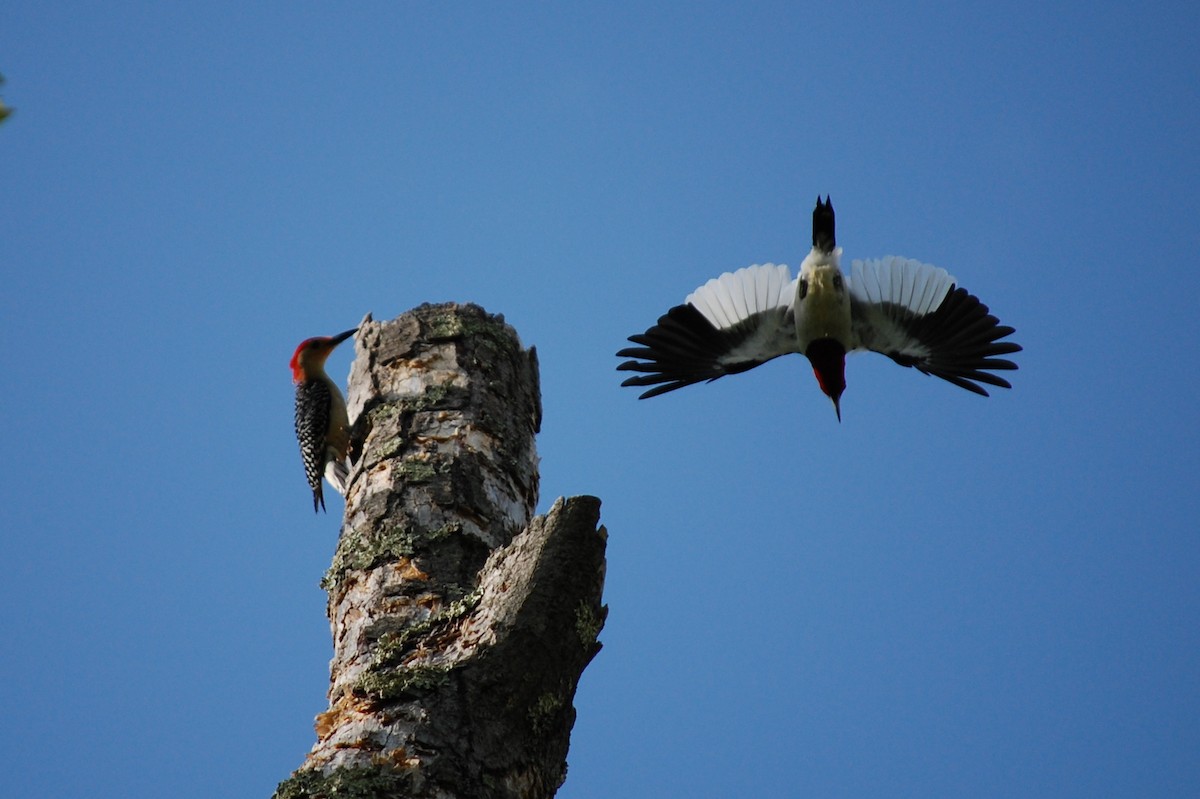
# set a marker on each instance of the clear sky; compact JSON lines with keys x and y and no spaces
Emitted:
{"x":942,"y":596}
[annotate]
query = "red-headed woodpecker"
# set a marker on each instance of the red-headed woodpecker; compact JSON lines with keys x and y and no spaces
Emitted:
{"x":911,"y":312}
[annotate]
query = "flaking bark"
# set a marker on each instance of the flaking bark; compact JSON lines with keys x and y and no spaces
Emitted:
{"x":460,"y":625}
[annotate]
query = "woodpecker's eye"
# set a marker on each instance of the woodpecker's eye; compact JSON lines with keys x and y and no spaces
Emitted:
{"x":803,"y":288}
{"x":837,"y":282}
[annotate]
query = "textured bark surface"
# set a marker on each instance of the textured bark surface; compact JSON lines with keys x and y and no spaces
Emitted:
{"x":460,"y":625}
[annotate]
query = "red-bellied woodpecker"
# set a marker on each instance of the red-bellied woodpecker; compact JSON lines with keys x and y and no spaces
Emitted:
{"x":911,"y":312}
{"x":322,"y":427}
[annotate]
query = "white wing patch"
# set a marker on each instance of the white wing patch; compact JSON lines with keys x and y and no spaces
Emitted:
{"x":917,"y":287}
{"x":736,"y":296}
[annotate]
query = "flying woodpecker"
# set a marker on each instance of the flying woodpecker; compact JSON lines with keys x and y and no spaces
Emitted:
{"x":914,"y":313}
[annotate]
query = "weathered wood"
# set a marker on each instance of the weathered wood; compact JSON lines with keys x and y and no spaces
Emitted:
{"x":460,"y":625}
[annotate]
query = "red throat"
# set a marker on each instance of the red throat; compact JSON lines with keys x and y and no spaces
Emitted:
{"x":828,"y":358}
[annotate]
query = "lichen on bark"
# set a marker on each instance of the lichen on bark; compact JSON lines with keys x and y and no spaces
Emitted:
{"x":461,"y":624}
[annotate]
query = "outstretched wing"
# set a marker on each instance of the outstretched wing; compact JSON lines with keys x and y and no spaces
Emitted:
{"x":728,"y":325}
{"x":914,"y":314}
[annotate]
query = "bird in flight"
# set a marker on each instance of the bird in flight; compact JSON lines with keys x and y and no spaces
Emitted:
{"x":914,"y":313}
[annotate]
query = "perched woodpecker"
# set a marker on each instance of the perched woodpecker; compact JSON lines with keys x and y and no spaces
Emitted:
{"x":322,"y":427}
{"x":911,"y":312}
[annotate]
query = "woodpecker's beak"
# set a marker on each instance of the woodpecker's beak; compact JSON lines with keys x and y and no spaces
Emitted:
{"x":340,"y":337}
{"x":837,"y":407}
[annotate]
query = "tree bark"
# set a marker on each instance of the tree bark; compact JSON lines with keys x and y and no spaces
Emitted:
{"x":460,"y":626}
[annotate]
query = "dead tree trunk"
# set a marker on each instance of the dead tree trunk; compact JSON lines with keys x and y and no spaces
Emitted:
{"x":460,"y":625}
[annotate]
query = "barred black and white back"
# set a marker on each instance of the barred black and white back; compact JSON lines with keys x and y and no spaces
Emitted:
{"x":314,"y":404}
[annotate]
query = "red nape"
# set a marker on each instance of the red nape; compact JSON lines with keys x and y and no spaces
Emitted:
{"x":294,"y":364}
{"x":828,"y":358}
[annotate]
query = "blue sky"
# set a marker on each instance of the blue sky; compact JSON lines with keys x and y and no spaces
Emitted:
{"x":941,"y":596}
